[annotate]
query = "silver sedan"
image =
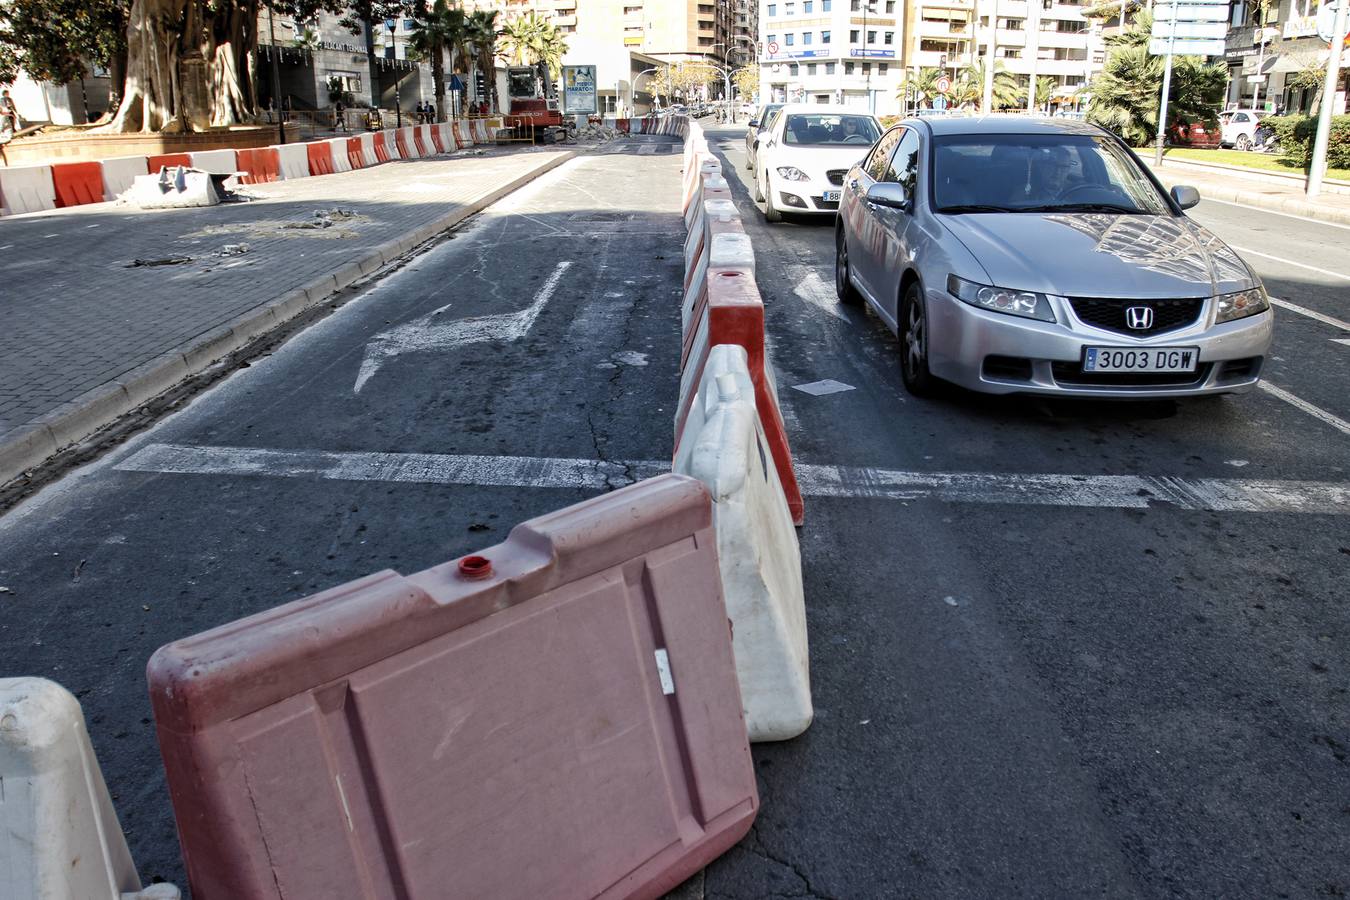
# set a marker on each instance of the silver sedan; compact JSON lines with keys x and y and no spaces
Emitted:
{"x":1019,"y":255}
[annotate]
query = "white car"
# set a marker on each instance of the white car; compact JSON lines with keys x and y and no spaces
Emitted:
{"x":1237,"y":128}
{"x":804,"y":156}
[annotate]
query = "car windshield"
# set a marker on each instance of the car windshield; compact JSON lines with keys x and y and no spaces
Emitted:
{"x":766,"y":115}
{"x":819,"y":129}
{"x":1039,"y":173}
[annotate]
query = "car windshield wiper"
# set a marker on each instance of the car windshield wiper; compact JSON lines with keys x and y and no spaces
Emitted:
{"x":975,"y":208}
{"x":1079,"y":207}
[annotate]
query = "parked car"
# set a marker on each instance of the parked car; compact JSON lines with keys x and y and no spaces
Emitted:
{"x":803,"y":156}
{"x":1237,"y":128}
{"x":755,"y":130}
{"x":1194,"y":134}
{"x":1013,"y":254}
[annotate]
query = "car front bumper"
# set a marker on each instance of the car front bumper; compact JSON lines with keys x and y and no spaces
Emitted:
{"x":997,"y":353}
{"x":804,"y":196}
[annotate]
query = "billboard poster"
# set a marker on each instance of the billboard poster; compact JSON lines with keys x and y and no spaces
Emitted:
{"x":579,"y":90}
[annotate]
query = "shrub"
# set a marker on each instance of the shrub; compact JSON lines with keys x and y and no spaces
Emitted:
{"x":1296,"y":134}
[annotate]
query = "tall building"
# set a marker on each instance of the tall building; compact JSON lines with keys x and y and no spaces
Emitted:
{"x":1267,"y":61}
{"x":745,"y":34}
{"x":832,"y":51}
{"x":1038,"y":38}
{"x":628,"y":40}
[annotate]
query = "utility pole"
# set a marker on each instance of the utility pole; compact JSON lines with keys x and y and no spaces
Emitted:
{"x":276,"y":78}
{"x":987,"y":102}
{"x":1166,"y":89}
{"x":1319,"y":159}
{"x":867,"y":66}
{"x":1034,"y":21}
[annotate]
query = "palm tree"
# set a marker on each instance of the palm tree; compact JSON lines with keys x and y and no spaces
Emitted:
{"x":1046,"y":86}
{"x":1006,"y":90}
{"x":925,"y":83}
{"x":532,"y":40}
{"x":436,"y":30}
{"x":482,"y":34}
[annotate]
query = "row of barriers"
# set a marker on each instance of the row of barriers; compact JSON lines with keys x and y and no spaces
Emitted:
{"x":567,"y":713}
{"x":36,"y":188}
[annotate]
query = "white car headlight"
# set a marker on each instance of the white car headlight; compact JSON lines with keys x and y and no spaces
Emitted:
{"x":792,"y":173}
{"x":1026,"y":304}
{"x":1241,"y":304}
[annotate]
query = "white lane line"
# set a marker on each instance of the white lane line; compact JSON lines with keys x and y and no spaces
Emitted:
{"x":1316,"y":412}
{"x":1343,"y":341}
{"x":812,"y":288}
{"x":1311,"y":313}
{"x":426,"y":333}
{"x":1276,"y":212}
{"x":1290,"y":262}
{"x":1096,"y":491}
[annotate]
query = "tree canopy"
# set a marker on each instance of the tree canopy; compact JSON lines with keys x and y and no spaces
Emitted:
{"x":55,"y":40}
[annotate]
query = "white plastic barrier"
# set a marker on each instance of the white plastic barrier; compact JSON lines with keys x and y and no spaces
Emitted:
{"x":727,"y":250}
{"x":391,"y":143}
{"x":294,"y":160}
{"x":222,"y":162}
{"x":448,"y":137}
{"x":724,"y":447}
{"x":463,"y":134}
{"x":59,"y":835}
{"x":341,"y":162}
{"x":368,"y":149}
{"x":424,"y":134}
{"x":176,"y":188}
{"x":26,"y":189}
{"x":120,"y":172}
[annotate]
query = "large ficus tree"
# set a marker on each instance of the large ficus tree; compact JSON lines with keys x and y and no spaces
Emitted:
{"x":56,"y":40}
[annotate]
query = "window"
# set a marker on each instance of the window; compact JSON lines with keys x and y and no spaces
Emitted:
{"x":705,"y":26}
{"x":848,"y":68}
{"x":888,"y":38}
{"x":853,"y":35}
{"x":824,"y":37}
{"x":1012,"y":24}
{"x":706,"y":9}
{"x":811,"y":69}
{"x":875,"y":164}
{"x":806,"y":37}
{"x":829,"y":68}
{"x":794,"y":69}
{"x":773,"y":39}
{"x":825,"y":5}
{"x":867,"y":68}
{"x":1012,"y":52}
{"x":789,"y":9}
{"x":1239,"y":17}
{"x":631,"y":10}
{"x":881,"y":68}
{"x":855,"y":5}
{"x":871,"y":37}
{"x":890,"y":6}
{"x":808,"y":7}
{"x":773,"y":11}
{"x":409,"y":24}
{"x":903,"y":168}
{"x":791,"y":38}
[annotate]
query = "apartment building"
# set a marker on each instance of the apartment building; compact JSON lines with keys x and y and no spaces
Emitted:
{"x":832,"y":51}
{"x":1267,"y":60}
{"x":1035,"y":38}
{"x":627,"y":40}
{"x":744,"y":34}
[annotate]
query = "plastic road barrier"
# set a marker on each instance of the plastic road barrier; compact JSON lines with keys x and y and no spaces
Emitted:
{"x":294,"y":159}
{"x":422,"y":138}
{"x":221,"y":162}
{"x":433,"y":136}
{"x":479,"y":127}
{"x":59,"y":835}
{"x":556,"y":716}
{"x":261,"y":165}
{"x":728,"y":248}
{"x":368,"y":155}
{"x":168,"y":161}
{"x":724,"y":447}
{"x":402,"y":142}
{"x":77,"y":183}
{"x":448,"y":143}
{"x":337,"y":154}
{"x":26,"y":189}
{"x":320,"y":157}
{"x":175,"y":188}
{"x":119,"y":172}
{"x":734,"y":314}
{"x":462,"y":135}
{"x":356,"y":158}
{"x":381,"y":147}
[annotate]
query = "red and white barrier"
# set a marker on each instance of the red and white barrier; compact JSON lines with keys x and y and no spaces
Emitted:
{"x":723,"y":446}
{"x":262,"y":165}
{"x":342,"y":161}
{"x":368,"y":150}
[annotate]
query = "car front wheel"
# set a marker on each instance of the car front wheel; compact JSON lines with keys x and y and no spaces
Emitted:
{"x":1244,"y":142}
{"x":843,"y":286}
{"x":771,"y":213}
{"x":914,"y":343}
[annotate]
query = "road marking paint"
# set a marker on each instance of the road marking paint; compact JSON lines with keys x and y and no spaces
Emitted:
{"x":1091,"y":491}
{"x":821,"y":388}
{"x":1344,"y":341}
{"x":427,"y":334}
{"x":1316,"y":412}
{"x":1290,"y":262}
{"x":1276,"y":212}
{"x":1311,"y":313}
{"x":813,"y":289}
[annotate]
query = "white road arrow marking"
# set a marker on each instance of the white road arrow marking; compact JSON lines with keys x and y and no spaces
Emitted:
{"x":426,"y":333}
{"x":813,"y":289}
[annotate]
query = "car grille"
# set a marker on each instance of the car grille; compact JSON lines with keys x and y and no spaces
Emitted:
{"x":1168,"y":315}
{"x":1071,"y":373}
{"x":836,"y":176}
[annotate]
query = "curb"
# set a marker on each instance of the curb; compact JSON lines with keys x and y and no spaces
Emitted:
{"x":1292,"y":205}
{"x":1263,"y":176}
{"x":34,"y":442}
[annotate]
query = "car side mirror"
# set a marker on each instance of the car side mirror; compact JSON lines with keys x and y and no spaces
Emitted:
{"x":888,"y":193}
{"x":1185,"y":196}
{"x":754,"y":123}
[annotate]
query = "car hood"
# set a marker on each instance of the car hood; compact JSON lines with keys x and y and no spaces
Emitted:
{"x":816,"y":161}
{"x":1100,"y":254}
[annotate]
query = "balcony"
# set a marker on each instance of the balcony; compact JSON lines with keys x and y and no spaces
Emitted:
{"x":939,"y":30}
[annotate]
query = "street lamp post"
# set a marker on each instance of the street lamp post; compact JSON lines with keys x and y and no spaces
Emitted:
{"x":398,"y":79}
{"x":276,"y":79}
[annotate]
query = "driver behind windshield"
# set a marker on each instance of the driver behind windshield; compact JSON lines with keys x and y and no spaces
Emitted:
{"x":1054,"y":171}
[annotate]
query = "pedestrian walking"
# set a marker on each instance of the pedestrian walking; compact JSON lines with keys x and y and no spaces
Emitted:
{"x":270,"y":109}
{"x":9,"y":123}
{"x":286,"y":109}
{"x":340,"y":114}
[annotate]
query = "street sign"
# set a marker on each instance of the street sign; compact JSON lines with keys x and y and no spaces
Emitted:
{"x":1326,"y":21}
{"x":1158,"y":47}
{"x":1206,"y":12}
{"x":579,"y":94}
{"x":943,"y":84}
{"x":1256,"y":79}
{"x":773,"y":47}
{"x":1209,"y":31}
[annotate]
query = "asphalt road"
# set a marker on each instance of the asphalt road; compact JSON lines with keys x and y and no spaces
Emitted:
{"x":1012,"y":699}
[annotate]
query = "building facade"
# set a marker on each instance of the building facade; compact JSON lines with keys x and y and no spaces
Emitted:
{"x":1275,"y":65}
{"x":832,"y":51}
{"x":1043,"y":38}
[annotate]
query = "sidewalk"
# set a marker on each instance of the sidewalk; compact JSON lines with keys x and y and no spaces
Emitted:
{"x":90,"y":334}
{"x":1286,"y":198}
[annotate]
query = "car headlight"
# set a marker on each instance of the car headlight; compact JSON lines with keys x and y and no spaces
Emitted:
{"x":1026,"y":304}
{"x":1241,"y":304}
{"x":792,"y":173}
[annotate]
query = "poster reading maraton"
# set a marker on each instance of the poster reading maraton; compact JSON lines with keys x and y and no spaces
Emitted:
{"x":579,"y":90}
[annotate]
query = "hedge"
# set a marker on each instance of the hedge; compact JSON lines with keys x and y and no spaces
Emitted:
{"x":1296,"y":134}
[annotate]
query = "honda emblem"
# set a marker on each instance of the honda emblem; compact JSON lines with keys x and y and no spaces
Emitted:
{"x":1140,"y":318}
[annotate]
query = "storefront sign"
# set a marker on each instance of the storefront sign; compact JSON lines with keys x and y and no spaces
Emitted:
{"x":876,"y":54}
{"x":579,"y":95}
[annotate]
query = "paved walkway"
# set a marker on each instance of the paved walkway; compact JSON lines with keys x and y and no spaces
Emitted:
{"x":90,"y":334}
{"x":1232,"y":187}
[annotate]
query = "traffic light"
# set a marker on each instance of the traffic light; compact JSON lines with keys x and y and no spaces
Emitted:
{"x":479,"y":85}
{"x":942,"y":63}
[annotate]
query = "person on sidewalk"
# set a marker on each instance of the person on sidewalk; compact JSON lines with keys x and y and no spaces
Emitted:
{"x":9,"y":123}
{"x":340,"y":116}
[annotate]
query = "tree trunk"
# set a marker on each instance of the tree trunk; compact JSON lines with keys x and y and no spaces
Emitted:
{"x":232,"y":38}
{"x":151,"y":101}
{"x":438,"y":75}
{"x":370,"y":59}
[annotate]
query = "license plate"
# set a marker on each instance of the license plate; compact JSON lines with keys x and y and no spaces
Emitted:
{"x":832,"y":196}
{"x":1140,"y":359}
